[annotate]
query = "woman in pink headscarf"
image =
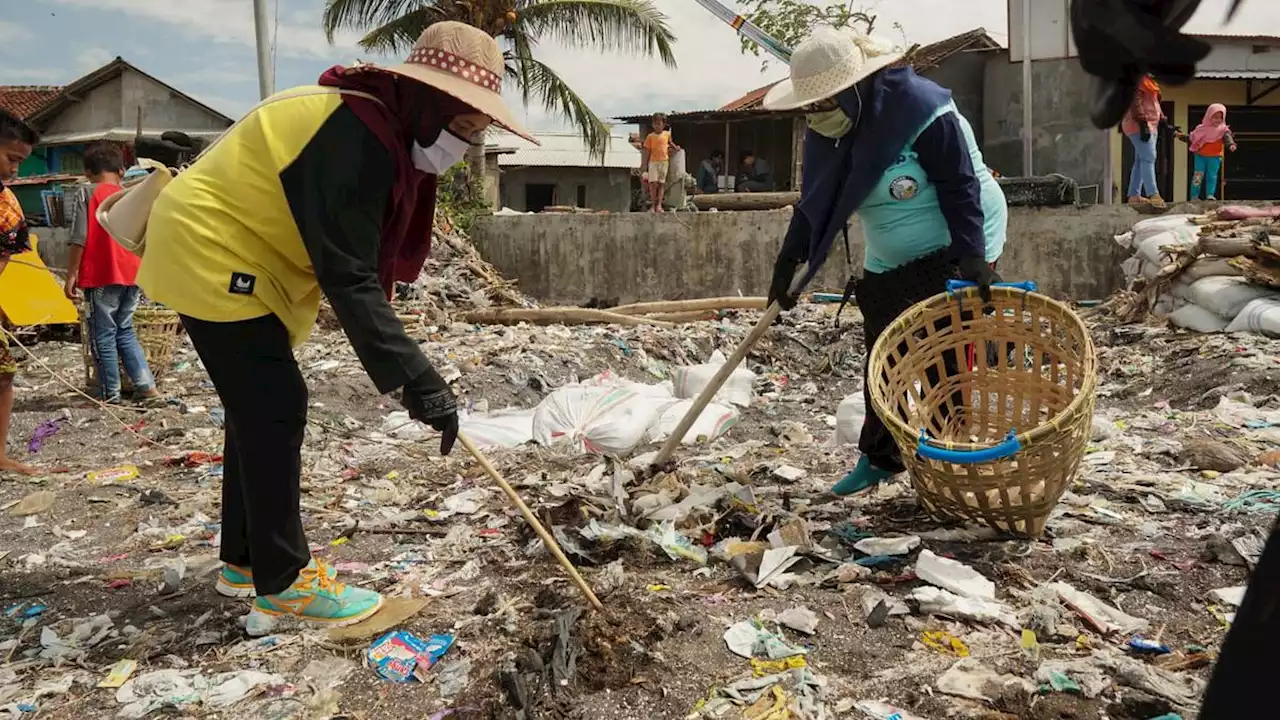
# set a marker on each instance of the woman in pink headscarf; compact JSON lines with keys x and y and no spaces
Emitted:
{"x":1208,"y":142}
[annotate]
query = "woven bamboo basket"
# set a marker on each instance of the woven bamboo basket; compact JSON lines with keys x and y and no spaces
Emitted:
{"x":158,"y":332}
{"x":997,"y":440}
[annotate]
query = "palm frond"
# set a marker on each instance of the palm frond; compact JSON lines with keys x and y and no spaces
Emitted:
{"x":635,"y":26}
{"x":522,"y":52}
{"x":360,"y":15}
{"x":398,"y":35}
{"x":559,"y":98}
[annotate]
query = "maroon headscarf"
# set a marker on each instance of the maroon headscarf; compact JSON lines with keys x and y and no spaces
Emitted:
{"x":408,"y":110}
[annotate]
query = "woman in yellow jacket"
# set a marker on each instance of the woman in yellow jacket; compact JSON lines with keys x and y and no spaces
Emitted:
{"x":314,"y":193}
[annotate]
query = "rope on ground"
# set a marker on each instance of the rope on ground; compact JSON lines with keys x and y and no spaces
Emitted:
{"x":101,"y":405}
{"x":1255,"y":501}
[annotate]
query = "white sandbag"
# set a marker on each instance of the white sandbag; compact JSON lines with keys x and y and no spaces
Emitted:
{"x":1260,"y":316}
{"x":1208,"y":267}
{"x":1132,"y":267}
{"x":602,"y":420}
{"x":738,"y":390}
{"x":502,"y":429}
{"x":714,"y":421}
{"x":1158,"y":248}
{"x":1154,"y":226}
{"x":1167,"y":304}
{"x":1194,"y":317}
{"x":1226,"y":296}
{"x":850,"y":415}
{"x":660,"y":391}
{"x":1124,"y":240}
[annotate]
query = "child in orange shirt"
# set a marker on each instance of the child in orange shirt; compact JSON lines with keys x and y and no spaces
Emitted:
{"x":656,"y":159}
{"x":1207,"y":142}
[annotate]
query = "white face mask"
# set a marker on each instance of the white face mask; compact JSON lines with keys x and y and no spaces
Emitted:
{"x":443,"y":154}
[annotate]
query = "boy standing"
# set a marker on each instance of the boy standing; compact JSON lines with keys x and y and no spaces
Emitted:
{"x":16,"y":141}
{"x":107,"y":272}
{"x":655,"y":159}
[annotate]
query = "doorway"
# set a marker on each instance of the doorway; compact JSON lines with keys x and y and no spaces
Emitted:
{"x":538,"y":197}
{"x":1164,"y":158}
{"x":1253,"y":171}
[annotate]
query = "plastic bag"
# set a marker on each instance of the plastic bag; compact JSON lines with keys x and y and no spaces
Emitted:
{"x":505,"y":428}
{"x":602,"y":420}
{"x":1226,"y":296}
{"x":738,"y":389}
{"x":714,"y":421}
{"x":1156,"y":248}
{"x":1260,"y":316}
{"x":1194,"y":317}
{"x":850,"y":416}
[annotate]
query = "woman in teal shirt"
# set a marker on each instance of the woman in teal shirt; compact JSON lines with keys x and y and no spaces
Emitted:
{"x":891,"y":146}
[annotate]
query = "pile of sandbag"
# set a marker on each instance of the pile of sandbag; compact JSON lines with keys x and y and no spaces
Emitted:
{"x":1209,"y":274}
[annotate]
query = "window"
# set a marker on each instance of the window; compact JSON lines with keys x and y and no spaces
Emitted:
{"x":538,"y":196}
{"x":582,"y":196}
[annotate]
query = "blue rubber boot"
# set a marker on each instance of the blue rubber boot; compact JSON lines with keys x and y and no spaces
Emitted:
{"x":864,"y":476}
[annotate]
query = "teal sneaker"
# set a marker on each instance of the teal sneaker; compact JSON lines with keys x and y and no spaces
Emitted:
{"x":317,"y":597}
{"x":237,"y":582}
{"x":864,"y":476}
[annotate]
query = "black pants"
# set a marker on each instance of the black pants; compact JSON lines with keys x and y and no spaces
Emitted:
{"x":265,"y":398}
{"x":882,"y":297}
{"x":1241,"y":683}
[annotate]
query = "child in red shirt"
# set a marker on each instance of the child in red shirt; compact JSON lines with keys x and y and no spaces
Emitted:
{"x":106,"y":272}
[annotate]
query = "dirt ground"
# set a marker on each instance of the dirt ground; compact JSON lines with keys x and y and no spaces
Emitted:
{"x":1134,"y":531}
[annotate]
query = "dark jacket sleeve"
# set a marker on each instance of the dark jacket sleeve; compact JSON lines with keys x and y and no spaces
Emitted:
{"x":943,"y":152}
{"x":337,"y":189}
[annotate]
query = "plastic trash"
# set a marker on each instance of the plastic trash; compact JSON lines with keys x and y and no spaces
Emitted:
{"x":42,"y":432}
{"x":888,"y":546}
{"x":401,"y":656}
{"x":800,"y":619}
{"x":738,"y":389}
{"x":877,"y":710}
{"x":675,"y":545}
{"x":714,"y":420}
{"x":119,"y":674}
{"x":750,"y":639}
{"x":114,"y":476}
{"x":452,"y":678}
{"x":1144,"y":646}
{"x":601,"y":420}
{"x":945,"y":642}
{"x":1085,"y":674}
{"x":185,"y":688}
{"x":954,"y":576}
{"x":935,"y":601}
{"x":968,"y":678}
{"x":850,"y":416}
{"x":1103,"y":617}
{"x":1232,"y":596}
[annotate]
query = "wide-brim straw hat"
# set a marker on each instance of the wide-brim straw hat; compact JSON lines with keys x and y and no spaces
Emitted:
{"x":827,"y":62}
{"x":463,"y":61}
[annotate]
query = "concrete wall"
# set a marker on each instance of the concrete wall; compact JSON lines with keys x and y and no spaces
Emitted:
{"x":1064,"y":139}
{"x":964,"y":75}
{"x":100,"y":109}
{"x":115,"y":104}
{"x":638,"y":257}
{"x":607,"y":188}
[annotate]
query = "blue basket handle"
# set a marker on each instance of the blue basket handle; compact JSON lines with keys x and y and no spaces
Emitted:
{"x":1025,"y":285}
{"x":1007,"y":448}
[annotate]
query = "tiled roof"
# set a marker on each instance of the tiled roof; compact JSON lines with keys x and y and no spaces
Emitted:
{"x":26,"y":100}
{"x":923,"y":58}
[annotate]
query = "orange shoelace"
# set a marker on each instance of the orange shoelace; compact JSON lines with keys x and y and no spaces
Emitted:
{"x":320,"y":576}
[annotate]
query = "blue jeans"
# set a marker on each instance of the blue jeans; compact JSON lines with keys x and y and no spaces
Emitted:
{"x":1206,"y":175}
{"x":114,"y":340}
{"x":1142,"y":180}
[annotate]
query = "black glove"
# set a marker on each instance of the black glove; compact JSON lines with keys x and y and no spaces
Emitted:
{"x":431,"y":404}
{"x":1144,"y":130}
{"x":978,"y":270}
{"x":784,"y":273}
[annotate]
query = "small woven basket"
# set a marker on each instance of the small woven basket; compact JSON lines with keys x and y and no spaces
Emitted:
{"x":998,"y":438}
{"x":158,"y":332}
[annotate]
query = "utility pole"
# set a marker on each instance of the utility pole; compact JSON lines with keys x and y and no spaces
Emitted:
{"x":1026,"y":89}
{"x":266,"y":79}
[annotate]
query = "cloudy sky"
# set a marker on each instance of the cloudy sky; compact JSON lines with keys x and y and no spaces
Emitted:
{"x":205,"y":48}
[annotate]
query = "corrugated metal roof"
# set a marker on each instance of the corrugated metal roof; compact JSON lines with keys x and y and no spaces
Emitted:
{"x":562,"y":149}
{"x":119,"y":134}
{"x":1238,"y":74}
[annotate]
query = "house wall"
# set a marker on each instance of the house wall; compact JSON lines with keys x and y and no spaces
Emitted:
{"x":607,"y":188}
{"x":101,"y":108}
{"x":1196,"y":93}
{"x":115,"y":104}
{"x":964,"y":74}
{"x":1064,"y":138}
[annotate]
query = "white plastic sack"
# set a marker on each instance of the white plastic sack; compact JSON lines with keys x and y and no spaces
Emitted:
{"x":714,"y":421}
{"x":1260,"y":316}
{"x":1226,"y":296}
{"x":1154,"y":226}
{"x":737,"y":390}
{"x":1208,"y":267}
{"x":1156,"y":249}
{"x":1194,"y":317}
{"x":850,"y":415}
{"x":603,"y":420}
{"x":505,"y":428}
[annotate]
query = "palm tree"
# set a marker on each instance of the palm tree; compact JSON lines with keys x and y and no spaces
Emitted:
{"x":635,"y":26}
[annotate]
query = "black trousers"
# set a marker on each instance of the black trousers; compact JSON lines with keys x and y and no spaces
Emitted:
{"x":882,"y":297}
{"x":1241,"y":683}
{"x":265,"y":398}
